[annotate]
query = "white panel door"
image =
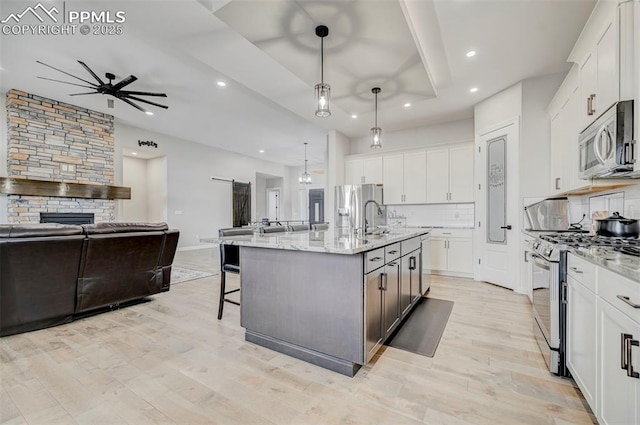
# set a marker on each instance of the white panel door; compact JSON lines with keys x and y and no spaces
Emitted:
{"x":581,"y":339}
{"x":437,"y":176}
{"x":353,"y":171}
{"x":588,"y":89}
{"x":460,"y":256}
{"x":372,"y":170}
{"x":393,"y":179}
{"x":438,"y":254}
{"x":619,"y":393}
{"x":461,"y":174}
{"x":498,"y":205}
{"x":415,"y":178}
{"x":606,"y":70}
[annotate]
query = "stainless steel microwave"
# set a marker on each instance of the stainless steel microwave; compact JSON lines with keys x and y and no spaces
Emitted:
{"x":607,"y":148}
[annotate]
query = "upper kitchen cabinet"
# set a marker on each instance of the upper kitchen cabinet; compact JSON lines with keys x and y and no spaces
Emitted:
{"x":604,"y":54}
{"x":450,"y":175}
{"x":363,"y":170}
{"x":404,"y":178}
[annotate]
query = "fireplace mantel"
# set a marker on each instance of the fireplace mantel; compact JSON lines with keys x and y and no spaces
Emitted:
{"x":30,"y":187}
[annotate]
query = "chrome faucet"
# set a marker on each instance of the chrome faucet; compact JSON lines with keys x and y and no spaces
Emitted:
{"x":364,"y":214}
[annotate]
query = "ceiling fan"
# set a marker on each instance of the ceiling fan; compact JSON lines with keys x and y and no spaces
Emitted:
{"x":115,"y":90}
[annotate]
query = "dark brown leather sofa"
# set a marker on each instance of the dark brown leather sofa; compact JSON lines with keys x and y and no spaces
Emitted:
{"x":51,"y":273}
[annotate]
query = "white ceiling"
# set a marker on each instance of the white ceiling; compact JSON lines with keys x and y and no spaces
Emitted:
{"x":268,"y":54}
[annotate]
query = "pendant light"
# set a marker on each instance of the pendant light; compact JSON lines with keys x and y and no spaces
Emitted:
{"x":323,"y":91}
{"x":376,"y":132}
{"x":305,"y":178}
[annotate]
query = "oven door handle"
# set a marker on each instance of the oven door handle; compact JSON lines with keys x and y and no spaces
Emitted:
{"x":542,"y":264}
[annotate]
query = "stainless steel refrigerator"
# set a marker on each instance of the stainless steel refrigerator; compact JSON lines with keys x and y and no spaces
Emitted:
{"x":350,"y":202}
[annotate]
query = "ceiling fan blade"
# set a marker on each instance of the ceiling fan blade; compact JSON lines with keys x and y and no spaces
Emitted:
{"x":66,"y":82}
{"x":91,"y":72}
{"x":142,"y":93}
{"x":66,"y":73}
{"x":125,"y":82}
{"x":132,"y":104}
{"x":80,"y":94}
{"x":148,"y":102}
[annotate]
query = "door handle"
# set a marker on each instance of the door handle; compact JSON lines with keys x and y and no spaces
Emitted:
{"x":626,"y":356}
{"x":578,"y":271}
{"x":412,"y":263}
{"x":590,"y":109}
{"x":557,"y":183}
{"x":508,"y":227}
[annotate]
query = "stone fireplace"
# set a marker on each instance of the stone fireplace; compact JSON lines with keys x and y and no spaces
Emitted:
{"x":52,"y":141}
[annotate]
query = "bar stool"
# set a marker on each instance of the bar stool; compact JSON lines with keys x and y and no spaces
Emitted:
{"x":272,"y":229}
{"x":320,"y":226}
{"x":229,"y":263}
{"x":298,"y":227}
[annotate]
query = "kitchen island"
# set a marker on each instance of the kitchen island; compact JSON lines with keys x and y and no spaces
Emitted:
{"x":328,"y":297}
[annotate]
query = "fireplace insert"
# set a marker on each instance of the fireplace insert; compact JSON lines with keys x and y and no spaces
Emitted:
{"x":67,"y":218}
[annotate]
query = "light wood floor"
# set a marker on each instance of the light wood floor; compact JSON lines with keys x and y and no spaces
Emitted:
{"x":170,"y":361}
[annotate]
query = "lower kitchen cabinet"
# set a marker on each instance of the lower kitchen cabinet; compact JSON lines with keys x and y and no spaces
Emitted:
{"x":391,"y":289}
{"x":452,"y":252}
{"x":409,"y":280}
{"x":581,"y":338}
{"x":374,"y":299}
{"x":620,"y":399}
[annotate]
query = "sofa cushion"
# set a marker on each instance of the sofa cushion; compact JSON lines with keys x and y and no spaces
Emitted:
{"x":105,"y":228}
{"x":33,"y":230}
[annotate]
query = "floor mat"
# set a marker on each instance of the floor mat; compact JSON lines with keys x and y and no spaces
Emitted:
{"x":421,"y":332}
{"x":180,"y":274}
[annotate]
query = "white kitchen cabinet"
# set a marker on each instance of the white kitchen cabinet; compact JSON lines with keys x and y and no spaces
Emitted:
{"x":620,"y":393}
{"x":451,"y":252}
{"x":404,"y":178}
{"x":581,"y":333}
{"x":363,"y":170}
{"x":450,"y":175}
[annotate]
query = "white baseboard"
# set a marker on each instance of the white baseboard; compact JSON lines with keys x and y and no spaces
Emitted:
{"x":194,"y":247}
{"x":452,"y":274}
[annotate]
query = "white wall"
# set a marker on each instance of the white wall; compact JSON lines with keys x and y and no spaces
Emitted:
{"x":420,"y":137}
{"x":134,"y":175}
{"x":157,"y":189}
{"x":196,"y":205}
{"x":499,"y":108}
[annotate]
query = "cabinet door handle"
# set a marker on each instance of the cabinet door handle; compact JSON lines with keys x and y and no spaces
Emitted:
{"x":590,"y":109}
{"x":624,"y":364}
{"x":557,"y":183}
{"x":374,"y":259}
{"x":577,"y":270}
{"x":626,"y":357}
{"x":386,"y":280}
{"x":412,"y":263}
{"x":627,"y":300}
{"x":393,"y":252}
{"x":380,"y":282}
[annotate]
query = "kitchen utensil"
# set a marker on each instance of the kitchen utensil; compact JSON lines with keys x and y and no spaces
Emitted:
{"x":618,"y":226}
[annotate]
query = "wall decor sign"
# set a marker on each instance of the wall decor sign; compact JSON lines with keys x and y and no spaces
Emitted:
{"x":149,"y":143}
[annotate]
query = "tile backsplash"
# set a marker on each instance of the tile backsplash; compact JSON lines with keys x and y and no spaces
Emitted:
{"x":445,"y":215}
{"x":625,"y":201}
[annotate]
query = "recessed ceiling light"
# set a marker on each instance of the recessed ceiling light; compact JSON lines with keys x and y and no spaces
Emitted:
{"x":473,"y":90}
{"x":134,"y":153}
{"x":261,"y":151}
{"x":471,"y":53}
{"x":406,"y":105}
{"x":148,"y":112}
{"x":354,"y":116}
{"x":221,"y":83}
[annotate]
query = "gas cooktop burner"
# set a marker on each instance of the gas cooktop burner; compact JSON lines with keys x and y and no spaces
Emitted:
{"x":629,"y":250}
{"x":577,"y":240}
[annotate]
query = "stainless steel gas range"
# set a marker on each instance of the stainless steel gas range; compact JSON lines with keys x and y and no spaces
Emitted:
{"x":548,"y":256}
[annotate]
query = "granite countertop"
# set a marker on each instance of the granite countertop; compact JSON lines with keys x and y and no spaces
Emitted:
{"x":332,"y":241}
{"x":623,"y":264}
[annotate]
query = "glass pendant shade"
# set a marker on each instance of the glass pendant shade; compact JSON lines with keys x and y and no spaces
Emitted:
{"x":376,"y":138}
{"x":323,"y":99}
{"x":376,"y":132}
{"x":305,"y":178}
{"x":323,"y":90}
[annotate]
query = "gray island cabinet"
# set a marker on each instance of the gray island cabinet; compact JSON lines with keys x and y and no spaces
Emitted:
{"x":327,"y":298}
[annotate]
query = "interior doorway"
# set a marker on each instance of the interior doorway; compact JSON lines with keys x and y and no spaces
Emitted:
{"x":316,"y":205}
{"x":147,"y":178}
